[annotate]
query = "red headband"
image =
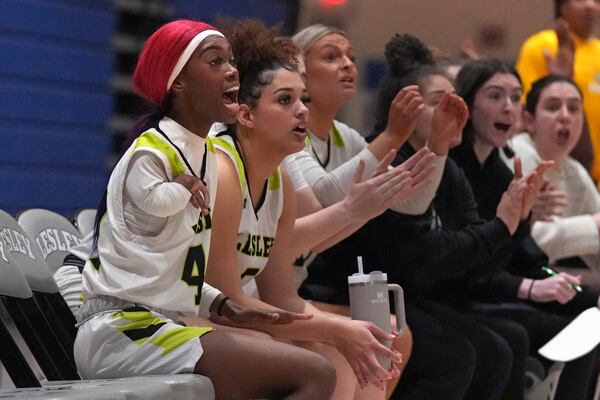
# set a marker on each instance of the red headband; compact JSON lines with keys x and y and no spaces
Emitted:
{"x":160,"y":55}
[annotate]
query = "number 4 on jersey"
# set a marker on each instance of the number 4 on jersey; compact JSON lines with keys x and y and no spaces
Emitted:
{"x":193,"y":270}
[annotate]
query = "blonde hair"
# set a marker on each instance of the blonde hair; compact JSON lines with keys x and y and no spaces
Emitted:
{"x":305,"y":38}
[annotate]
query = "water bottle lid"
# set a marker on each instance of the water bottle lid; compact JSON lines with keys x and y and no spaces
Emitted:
{"x":373,"y":276}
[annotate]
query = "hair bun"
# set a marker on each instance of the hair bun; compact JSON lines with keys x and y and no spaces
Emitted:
{"x":405,"y":53}
{"x":254,"y":45}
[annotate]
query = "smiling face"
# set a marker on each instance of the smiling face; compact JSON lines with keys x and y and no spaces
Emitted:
{"x":206,"y":88}
{"x":433,"y":88}
{"x":496,"y":110}
{"x":330,"y":70}
{"x":279,"y":119}
{"x":558,"y":121}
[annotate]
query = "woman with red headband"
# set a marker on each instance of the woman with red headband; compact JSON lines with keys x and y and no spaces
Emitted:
{"x":152,"y":239}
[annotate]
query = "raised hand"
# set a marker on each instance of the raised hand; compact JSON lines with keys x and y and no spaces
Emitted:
{"x":467,"y":48}
{"x":200,"y":195}
{"x":534,"y":180}
{"x":509,"y":208}
{"x":237,"y":315}
{"x":548,"y":203}
{"x":404,"y":110}
{"x":358,"y":343}
{"x":449,"y":119}
{"x":555,"y":288}
{"x":562,"y":63}
{"x":367,"y":199}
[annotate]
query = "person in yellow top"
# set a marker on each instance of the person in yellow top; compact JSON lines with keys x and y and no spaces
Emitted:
{"x":571,"y":49}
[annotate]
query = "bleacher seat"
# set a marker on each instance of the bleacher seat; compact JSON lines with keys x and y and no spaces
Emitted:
{"x":28,"y":259}
{"x":546,"y":389}
{"x":52,"y":232}
{"x":17,"y":297}
{"x":84,"y":220}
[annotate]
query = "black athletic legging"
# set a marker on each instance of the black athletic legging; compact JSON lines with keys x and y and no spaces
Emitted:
{"x":453,"y":357}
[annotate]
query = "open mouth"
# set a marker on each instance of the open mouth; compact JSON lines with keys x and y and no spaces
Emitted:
{"x":230,"y":96}
{"x":300,"y":130}
{"x":564,"y":134}
{"x":347,"y":79}
{"x":502,"y":126}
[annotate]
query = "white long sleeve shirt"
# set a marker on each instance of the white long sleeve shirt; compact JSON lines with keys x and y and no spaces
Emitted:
{"x":575,"y":233}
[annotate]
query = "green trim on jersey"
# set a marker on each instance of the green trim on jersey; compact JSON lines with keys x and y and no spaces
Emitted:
{"x":336,"y":137}
{"x":275,"y":180}
{"x":210,"y":145}
{"x":177,"y":337}
{"x":139,"y":319}
{"x":238,"y":160}
{"x":149,"y":139}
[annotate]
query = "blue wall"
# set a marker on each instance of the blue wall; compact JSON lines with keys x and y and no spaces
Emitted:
{"x":54,"y":102}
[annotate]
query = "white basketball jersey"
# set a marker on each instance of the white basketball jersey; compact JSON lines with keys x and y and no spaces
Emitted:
{"x":257,"y":230}
{"x":165,"y":271}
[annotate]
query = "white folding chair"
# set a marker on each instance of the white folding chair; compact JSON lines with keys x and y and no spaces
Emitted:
{"x":43,"y":225}
{"x":84,"y":220}
{"x":52,"y":232}
{"x":546,"y":389}
{"x":29,"y":260}
{"x":16,"y":296}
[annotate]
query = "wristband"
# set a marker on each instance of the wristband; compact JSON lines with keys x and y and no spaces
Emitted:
{"x":223,"y":303}
{"x":528,"y":293}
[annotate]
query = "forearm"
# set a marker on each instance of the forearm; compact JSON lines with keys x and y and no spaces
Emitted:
{"x":316,"y":329}
{"x":567,"y":237}
{"x":209,"y":297}
{"x":500,"y":286}
{"x":338,"y":237}
{"x":149,"y":189}
{"x":314,"y":229}
{"x":458,"y":251}
{"x":383,"y":143}
{"x":419,"y":202}
{"x":165,"y":200}
{"x":331,"y":187}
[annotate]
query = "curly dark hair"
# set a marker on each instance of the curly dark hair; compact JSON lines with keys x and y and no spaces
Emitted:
{"x":258,"y":52}
{"x":409,"y":62}
{"x":405,"y":53}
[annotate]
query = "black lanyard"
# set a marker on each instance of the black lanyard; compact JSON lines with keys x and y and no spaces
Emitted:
{"x":202,"y":166}
{"x":325,"y":162}
{"x":263,"y":195}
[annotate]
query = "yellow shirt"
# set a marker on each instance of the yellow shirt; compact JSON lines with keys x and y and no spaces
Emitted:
{"x":531,"y":65}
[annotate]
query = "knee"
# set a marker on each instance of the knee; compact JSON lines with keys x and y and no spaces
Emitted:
{"x":495,"y":360}
{"x":459,"y":362}
{"x":321,"y":379}
{"x":518,"y":340}
{"x":503,"y":356}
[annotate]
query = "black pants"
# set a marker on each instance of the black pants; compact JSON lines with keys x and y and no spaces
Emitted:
{"x":517,"y":338}
{"x":576,"y":378}
{"x":453,"y":357}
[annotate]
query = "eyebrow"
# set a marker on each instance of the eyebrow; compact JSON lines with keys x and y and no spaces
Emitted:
{"x":439,"y":92}
{"x":331,"y":45}
{"x":283,"y":89}
{"x":337,"y":47}
{"x":555,"y":98}
{"x":515,"y":89}
{"x":211,"y":47}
